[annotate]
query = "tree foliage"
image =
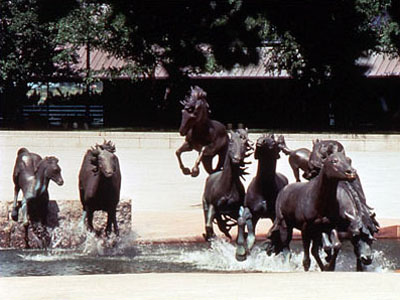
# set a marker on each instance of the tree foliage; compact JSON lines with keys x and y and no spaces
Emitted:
{"x":27,"y":47}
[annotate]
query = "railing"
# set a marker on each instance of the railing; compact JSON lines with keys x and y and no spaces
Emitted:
{"x":65,"y":115}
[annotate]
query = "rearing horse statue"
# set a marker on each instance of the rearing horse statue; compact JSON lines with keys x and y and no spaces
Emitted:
{"x":206,"y":136}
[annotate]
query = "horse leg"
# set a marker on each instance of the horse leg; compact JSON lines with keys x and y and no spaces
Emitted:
{"x":251,"y":222}
{"x":209,"y":219}
{"x":327,"y":246}
{"x":24,"y":209}
{"x":114,"y":221}
{"x":207,"y":164}
{"x":306,"y":248}
{"x":315,"y":252}
{"x":184,"y":148}
{"x":337,"y":245}
{"x":195,"y":169}
{"x":286,"y":236}
{"x":296,"y":173}
{"x":109,"y":223}
{"x":223,"y":227}
{"x":14,"y":213}
{"x":90,"y":219}
{"x":240,"y":248}
{"x":26,"y":229}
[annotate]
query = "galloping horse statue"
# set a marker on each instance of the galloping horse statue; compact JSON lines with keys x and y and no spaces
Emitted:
{"x":32,"y":174}
{"x":206,"y":136}
{"x":261,"y":194}
{"x":312,"y":208}
{"x":298,"y":159}
{"x":100,"y":184}
{"x":350,"y":222}
{"x":356,"y":217}
{"x":224,"y":191}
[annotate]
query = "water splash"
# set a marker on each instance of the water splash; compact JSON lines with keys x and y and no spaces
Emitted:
{"x":221,"y":257}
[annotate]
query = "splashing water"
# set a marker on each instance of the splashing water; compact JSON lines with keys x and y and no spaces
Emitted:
{"x":221,"y":257}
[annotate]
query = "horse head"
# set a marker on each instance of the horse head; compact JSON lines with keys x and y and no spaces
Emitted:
{"x":362,"y":244}
{"x":237,"y":149}
{"x":267,"y":145}
{"x":338,"y":166}
{"x":104,"y":159}
{"x":321,"y":150}
{"x":195,"y":110}
{"x":281,"y":141}
{"x":52,"y":169}
{"x":361,"y":237}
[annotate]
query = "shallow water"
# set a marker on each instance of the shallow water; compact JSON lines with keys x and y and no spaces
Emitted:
{"x":120,"y":257}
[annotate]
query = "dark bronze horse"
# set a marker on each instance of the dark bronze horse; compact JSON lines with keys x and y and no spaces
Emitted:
{"x":100,"y":183}
{"x":351,"y":224}
{"x":261,"y":194}
{"x":206,"y":136}
{"x":298,"y":159}
{"x":224,"y":191}
{"x":32,"y":175}
{"x":312,"y":208}
{"x":356,"y":217}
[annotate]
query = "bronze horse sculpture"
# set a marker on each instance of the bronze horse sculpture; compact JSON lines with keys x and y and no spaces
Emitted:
{"x":311,"y":207}
{"x":32,"y":175}
{"x":351,"y":224}
{"x":100,"y":184}
{"x":356,"y":217}
{"x":298,"y":159}
{"x":206,"y":136}
{"x":261,"y":194}
{"x":224,"y":191}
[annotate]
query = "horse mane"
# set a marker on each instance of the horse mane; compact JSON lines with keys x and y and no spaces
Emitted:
{"x":108,"y":146}
{"x":196,"y":94}
{"x":368,"y":225}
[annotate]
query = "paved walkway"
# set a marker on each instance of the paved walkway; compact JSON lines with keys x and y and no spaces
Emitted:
{"x":282,"y":286}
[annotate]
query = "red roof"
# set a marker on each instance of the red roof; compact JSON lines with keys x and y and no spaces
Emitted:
{"x":378,"y":65}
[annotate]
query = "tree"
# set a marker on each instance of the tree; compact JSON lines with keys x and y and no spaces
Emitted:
{"x":319,"y":42}
{"x":27,"y":50}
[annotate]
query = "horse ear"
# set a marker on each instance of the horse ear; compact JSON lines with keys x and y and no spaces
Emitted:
{"x":95,"y":151}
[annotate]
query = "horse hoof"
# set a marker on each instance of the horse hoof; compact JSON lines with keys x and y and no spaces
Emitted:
{"x":14,"y":215}
{"x":195,"y":172}
{"x":186,"y":171}
{"x":240,"y":257}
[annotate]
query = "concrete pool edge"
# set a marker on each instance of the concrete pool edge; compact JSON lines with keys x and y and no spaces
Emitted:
{"x":312,"y":285}
{"x":188,"y":226}
{"x":172,"y":140}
